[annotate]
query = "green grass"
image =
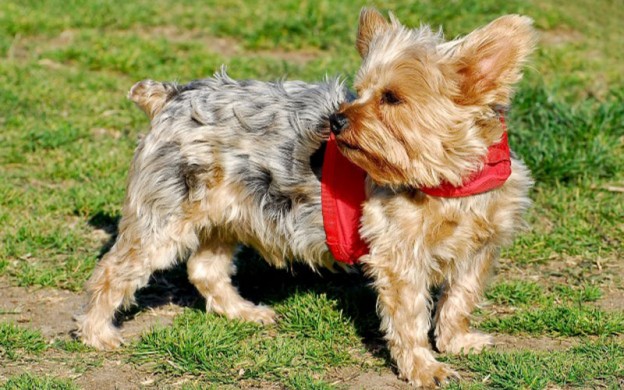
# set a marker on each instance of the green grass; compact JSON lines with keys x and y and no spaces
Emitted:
{"x":29,"y":381}
{"x":566,"y":144}
{"x":558,"y":310}
{"x":305,"y":382}
{"x":15,"y":340}
{"x":590,"y":365}
{"x":526,"y":293}
{"x":311,"y":337}
{"x":558,"y":321}
{"x":580,"y":219}
{"x":68,"y":135}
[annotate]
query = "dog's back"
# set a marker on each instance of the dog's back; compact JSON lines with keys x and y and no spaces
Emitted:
{"x":257,"y":141}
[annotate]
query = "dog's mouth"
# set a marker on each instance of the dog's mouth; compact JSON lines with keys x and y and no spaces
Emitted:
{"x":345,"y":146}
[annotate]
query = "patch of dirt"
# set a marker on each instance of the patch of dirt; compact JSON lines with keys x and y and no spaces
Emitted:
{"x":101,"y":132}
{"x":613,"y":300}
{"x":575,"y":270}
{"x":51,"y":311}
{"x":23,"y":48}
{"x":506,"y":343}
{"x":116,"y":374}
{"x":299,"y":57}
{"x":48,"y":310}
{"x":89,"y":371}
{"x":225,"y":46}
{"x":354,"y":378}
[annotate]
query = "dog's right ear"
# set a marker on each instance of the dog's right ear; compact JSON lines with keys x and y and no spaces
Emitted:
{"x":371,"y":24}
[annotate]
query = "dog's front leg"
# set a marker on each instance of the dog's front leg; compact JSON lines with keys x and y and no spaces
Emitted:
{"x":461,"y":294}
{"x":404,"y":306}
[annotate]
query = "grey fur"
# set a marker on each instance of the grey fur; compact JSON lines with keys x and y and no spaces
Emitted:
{"x":224,"y":162}
{"x":263,"y":133}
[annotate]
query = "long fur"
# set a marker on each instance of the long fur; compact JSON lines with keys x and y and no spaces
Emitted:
{"x":229,"y":162}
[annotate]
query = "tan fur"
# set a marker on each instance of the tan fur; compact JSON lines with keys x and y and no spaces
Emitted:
{"x":438,"y":131}
{"x":371,"y":23}
{"x":224,"y":164}
{"x":448,"y":90}
{"x":210,"y":269}
{"x":150,"y":96}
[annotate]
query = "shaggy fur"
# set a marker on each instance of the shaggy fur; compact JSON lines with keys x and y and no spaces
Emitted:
{"x":426,"y":114}
{"x":229,"y":162}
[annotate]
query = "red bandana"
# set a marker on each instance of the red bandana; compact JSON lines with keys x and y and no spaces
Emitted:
{"x":343,"y":192}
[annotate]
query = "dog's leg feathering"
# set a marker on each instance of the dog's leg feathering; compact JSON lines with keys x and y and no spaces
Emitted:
{"x":123,"y":270}
{"x":210,"y":270}
{"x":106,"y":294}
{"x":458,"y":300}
{"x":403,"y":306}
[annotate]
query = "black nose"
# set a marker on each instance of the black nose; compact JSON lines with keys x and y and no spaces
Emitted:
{"x":337,"y":123}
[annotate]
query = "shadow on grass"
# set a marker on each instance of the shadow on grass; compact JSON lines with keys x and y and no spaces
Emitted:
{"x":260,"y":283}
{"x":109,"y":224}
{"x":164,"y":287}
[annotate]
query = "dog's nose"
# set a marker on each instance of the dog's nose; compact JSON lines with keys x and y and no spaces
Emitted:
{"x":337,"y":123}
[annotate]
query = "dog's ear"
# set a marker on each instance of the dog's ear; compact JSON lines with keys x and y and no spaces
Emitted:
{"x":371,"y":23}
{"x":489,"y":60}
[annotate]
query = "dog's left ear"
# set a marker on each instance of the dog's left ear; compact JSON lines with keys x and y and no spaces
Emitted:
{"x":489,"y":60}
{"x":371,"y":23}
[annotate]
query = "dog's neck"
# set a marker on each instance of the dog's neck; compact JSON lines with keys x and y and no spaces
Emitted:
{"x":494,"y":173}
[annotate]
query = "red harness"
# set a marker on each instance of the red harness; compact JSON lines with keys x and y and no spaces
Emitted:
{"x":343,"y":192}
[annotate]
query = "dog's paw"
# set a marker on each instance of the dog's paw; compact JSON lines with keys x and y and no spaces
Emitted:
{"x":258,"y":313}
{"x":103,"y":337}
{"x":465,"y":343}
{"x":430,"y":376}
{"x":245,"y":311}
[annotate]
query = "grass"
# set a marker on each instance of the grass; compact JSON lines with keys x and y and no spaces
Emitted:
{"x":567,"y":144}
{"x":589,"y":365}
{"x":560,"y":310}
{"x":28,"y":381}
{"x":526,"y":293}
{"x":558,"y":321}
{"x":311,"y":337}
{"x":68,"y":134}
{"x":15,"y":340}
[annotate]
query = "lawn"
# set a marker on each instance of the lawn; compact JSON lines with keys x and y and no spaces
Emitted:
{"x":67,"y":134}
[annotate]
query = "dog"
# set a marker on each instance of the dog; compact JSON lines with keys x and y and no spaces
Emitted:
{"x":229,"y":162}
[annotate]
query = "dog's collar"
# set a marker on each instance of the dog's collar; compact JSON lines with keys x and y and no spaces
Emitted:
{"x":343,"y":193}
{"x":496,"y":170}
{"x":343,"y":190}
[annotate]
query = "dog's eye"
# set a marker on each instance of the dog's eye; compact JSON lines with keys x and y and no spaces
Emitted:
{"x":388,"y":97}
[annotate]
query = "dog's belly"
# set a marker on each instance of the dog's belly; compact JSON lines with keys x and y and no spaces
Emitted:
{"x":281,"y":219}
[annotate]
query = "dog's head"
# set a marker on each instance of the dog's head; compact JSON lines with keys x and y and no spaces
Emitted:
{"x":426,"y":107}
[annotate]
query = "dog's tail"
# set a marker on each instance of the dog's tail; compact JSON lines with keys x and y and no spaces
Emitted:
{"x":151,"y":96}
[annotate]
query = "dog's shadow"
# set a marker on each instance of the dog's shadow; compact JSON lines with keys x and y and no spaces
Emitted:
{"x":260,"y":283}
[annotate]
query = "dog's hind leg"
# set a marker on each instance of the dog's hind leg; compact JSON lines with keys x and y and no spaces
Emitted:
{"x":210,"y":270}
{"x":124,"y":269}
